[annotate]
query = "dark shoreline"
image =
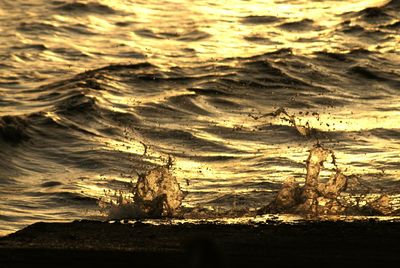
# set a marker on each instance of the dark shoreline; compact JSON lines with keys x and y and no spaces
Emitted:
{"x":92,"y":243}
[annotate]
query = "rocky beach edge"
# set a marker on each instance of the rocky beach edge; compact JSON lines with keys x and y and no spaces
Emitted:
{"x":204,"y":244}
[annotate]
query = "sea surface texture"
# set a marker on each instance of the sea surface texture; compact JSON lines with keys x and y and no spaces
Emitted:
{"x":231,"y":94}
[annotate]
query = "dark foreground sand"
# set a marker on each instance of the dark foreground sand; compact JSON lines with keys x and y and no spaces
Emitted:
{"x":99,"y":244}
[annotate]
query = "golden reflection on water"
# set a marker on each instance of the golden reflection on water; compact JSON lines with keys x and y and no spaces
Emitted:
{"x":179,"y":33}
{"x":169,"y":25}
{"x":171,"y":33}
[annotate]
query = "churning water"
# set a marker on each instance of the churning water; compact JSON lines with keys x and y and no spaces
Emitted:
{"x":95,"y":93}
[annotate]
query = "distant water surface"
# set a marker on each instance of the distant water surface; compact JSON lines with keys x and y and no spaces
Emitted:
{"x":93,"y":93}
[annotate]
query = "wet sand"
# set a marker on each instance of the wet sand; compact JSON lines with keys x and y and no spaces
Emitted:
{"x":312,"y":244}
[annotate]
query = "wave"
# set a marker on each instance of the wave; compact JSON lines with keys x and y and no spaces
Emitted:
{"x":364,"y":22}
{"x":82,"y":8}
{"x":301,"y":25}
{"x":264,"y":78}
{"x":260,"y":19}
{"x":186,"y":36}
{"x":13,"y":129}
{"x":236,"y":114}
{"x":217,"y":119}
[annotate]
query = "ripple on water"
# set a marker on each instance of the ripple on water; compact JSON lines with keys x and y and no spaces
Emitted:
{"x":79,"y":8}
{"x":92,"y":95}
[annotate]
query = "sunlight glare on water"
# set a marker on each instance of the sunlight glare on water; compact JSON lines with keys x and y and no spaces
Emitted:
{"x":95,"y":93}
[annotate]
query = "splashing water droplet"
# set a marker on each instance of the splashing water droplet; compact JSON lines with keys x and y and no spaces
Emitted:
{"x":158,"y":193}
{"x":318,"y":198}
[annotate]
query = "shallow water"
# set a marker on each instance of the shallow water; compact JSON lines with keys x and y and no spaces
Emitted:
{"x":93,"y":93}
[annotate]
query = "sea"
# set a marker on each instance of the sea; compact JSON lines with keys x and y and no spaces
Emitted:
{"x":95,"y":93}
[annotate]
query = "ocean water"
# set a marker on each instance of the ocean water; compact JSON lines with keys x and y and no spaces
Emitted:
{"x":94,"y":93}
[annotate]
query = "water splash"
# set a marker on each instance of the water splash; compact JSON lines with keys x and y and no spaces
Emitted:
{"x":318,"y":198}
{"x":156,"y":194}
{"x":303,"y":129}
